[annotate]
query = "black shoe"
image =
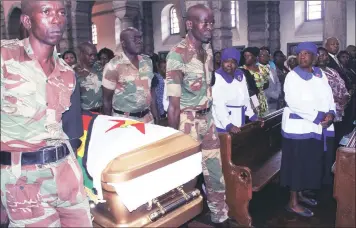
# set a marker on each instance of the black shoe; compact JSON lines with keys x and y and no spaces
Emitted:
{"x":308,"y":201}
{"x":308,"y":193}
{"x":226,"y":224}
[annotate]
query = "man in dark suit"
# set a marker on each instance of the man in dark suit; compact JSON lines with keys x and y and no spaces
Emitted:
{"x":332,"y":46}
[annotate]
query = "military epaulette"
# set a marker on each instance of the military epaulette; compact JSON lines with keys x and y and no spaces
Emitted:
{"x":10,"y":43}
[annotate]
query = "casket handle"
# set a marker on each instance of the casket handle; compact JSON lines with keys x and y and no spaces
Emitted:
{"x":180,"y":189}
{"x":155,"y":201}
{"x":171,"y":206}
{"x":149,"y":205}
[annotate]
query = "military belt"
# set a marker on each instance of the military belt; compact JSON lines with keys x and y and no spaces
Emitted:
{"x":133,"y":114}
{"x":203,"y":111}
{"x":41,"y":157}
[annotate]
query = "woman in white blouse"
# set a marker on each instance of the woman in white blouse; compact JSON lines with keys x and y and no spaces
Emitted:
{"x":231,"y":100}
{"x":306,"y":127}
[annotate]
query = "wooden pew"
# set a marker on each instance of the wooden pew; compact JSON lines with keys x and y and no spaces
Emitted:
{"x":344,"y":184}
{"x":250,"y":159}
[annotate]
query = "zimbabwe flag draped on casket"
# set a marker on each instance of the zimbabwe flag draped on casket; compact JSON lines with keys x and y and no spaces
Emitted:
{"x":88,"y":120}
{"x":106,"y":138}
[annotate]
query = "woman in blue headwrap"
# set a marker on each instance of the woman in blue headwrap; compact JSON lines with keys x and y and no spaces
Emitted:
{"x":306,"y":124}
{"x":231,"y":100}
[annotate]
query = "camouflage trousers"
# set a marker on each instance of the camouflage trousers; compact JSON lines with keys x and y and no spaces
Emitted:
{"x":146,"y":119}
{"x":50,"y":195}
{"x":202,"y":128}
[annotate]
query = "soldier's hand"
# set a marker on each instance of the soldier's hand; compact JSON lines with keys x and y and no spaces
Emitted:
{"x":235,"y":129}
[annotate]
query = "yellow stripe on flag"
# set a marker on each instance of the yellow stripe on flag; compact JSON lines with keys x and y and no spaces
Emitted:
{"x":81,"y":149}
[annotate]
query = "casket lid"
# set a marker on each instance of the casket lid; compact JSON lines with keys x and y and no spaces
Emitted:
{"x":149,"y":158}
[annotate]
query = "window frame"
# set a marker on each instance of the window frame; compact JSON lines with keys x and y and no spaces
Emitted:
{"x":235,"y":10}
{"x":171,"y":22}
{"x":306,"y":12}
{"x":93,"y":25}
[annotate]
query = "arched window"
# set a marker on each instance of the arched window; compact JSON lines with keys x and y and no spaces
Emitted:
{"x":233,"y":13}
{"x":313,"y":10}
{"x":94,"y":34}
{"x":174,"y":23}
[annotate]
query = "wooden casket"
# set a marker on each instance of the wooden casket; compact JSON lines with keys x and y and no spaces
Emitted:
{"x":136,"y":185}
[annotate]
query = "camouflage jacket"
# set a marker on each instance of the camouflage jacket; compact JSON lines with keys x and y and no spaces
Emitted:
{"x":194,"y":88}
{"x":91,"y":94}
{"x":32,"y":104}
{"x":132,"y":87}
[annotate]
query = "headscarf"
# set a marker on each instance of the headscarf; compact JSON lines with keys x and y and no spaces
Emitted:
{"x":286,"y":62}
{"x":253,"y":50}
{"x":311,"y":47}
{"x":307,"y":46}
{"x":230,"y":53}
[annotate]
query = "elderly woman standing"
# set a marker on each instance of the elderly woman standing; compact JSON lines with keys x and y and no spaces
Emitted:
{"x":307,"y":121}
{"x":231,"y":100}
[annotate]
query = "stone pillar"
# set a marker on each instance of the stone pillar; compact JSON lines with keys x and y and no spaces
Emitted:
{"x":81,"y":22}
{"x":127,"y":12}
{"x":274,"y":38}
{"x":222,"y":35}
{"x":335,"y":21}
{"x":67,"y":39}
{"x":2,"y":22}
{"x":147,"y":25}
{"x":257,"y":19}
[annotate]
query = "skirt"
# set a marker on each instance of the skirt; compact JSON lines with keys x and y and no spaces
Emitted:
{"x":302,"y":164}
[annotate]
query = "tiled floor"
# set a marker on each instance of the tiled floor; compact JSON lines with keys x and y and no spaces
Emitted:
{"x":267,"y":210}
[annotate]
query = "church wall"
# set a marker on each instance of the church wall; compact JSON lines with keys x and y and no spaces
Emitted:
{"x":350,"y":22}
{"x":104,"y":18}
{"x":162,"y":42}
{"x":293,"y":28}
{"x":8,"y":6}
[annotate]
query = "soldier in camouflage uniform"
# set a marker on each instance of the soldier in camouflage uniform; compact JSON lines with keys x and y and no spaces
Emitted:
{"x":41,"y":181}
{"x":90,"y":74}
{"x":189,"y":72}
{"x":127,"y":81}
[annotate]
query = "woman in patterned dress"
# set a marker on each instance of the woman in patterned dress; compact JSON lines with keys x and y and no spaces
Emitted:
{"x":260,"y":75}
{"x":341,"y":98}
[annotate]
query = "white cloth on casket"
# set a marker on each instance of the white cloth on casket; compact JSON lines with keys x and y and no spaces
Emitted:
{"x":104,"y":146}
